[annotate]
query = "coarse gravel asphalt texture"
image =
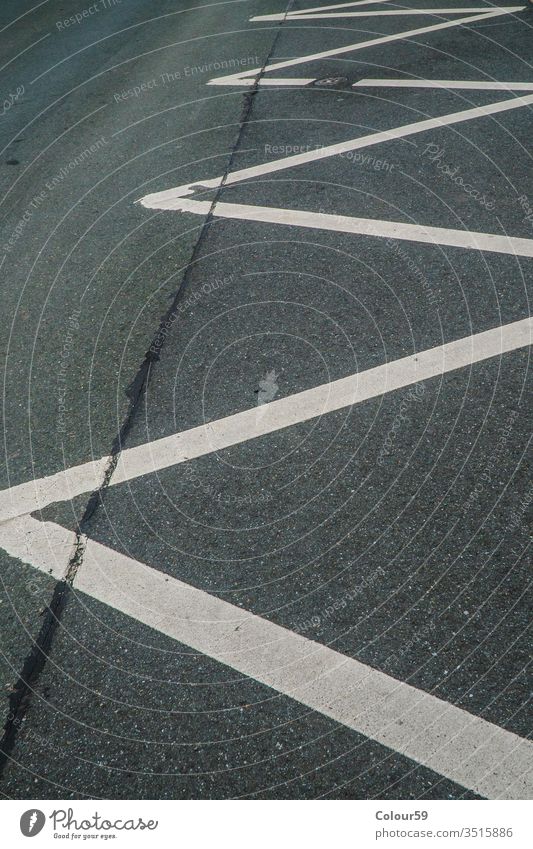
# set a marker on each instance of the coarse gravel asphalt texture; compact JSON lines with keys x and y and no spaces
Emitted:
{"x":402,"y":541}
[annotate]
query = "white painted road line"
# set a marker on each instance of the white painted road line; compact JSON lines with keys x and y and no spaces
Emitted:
{"x":373,"y":13}
{"x":464,"y":748}
{"x":477,"y":85}
{"x":288,"y":16}
{"x":301,"y":407}
{"x":43,"y":545}
{"x":63,"y":486}
{"x":171,"y":198}
{"x":467,"y":239}
{"x":361,"y":45}
{"x":309,"y":14}
{"x":353,"y":4}
{"x":279,"y":81}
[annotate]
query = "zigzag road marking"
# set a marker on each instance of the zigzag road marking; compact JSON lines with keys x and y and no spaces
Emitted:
{"x":249,"y":77}
{"x":467,"y":749}
{"x":302,"y":16}
{"x":241,"y":427}
{"x":474,"y":85}
{"x":468,"y":239}
{"x":172,"y":198}
{"x":464,"y":748}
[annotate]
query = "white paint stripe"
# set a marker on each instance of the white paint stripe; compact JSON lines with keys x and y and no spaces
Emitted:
{"x":43,"y":545}
{"x":474,"y":85}
{"x":320,"y":400}
{"x":63,"y":486}
{"x":295,"y":14}
{"x":169,"y":199}
{"x":471,"y":240}
{"x":373,"y":13}
{"x":277,"y":81}
{"x":294,"y":409}
{"x":376,"y":138}
{"x":460,"y":84}
{"x":464,"y":748}
{"x":349,"y":48}
{"x":263,"y":82}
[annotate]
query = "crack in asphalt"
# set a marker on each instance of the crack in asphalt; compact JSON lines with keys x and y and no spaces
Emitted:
{"x":21,"y":698}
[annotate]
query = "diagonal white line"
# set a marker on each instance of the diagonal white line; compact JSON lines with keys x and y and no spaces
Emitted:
{"x":241,"y":427}
{"x":464,"y":748}
{"x":277,"y":81}
{"x":373,"y":13}
{"x":468,"y":239}
{"x":63,"y":486}
{"x":481,"y":85}
{"x":310,"y":13}
{"x":169,"y":199}
{"x":478,"y":755}
{"x":349,"y":48}
{"x":294,"y":15}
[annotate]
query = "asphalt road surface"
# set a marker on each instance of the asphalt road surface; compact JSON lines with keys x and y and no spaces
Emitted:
{"x":265,"y":509}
